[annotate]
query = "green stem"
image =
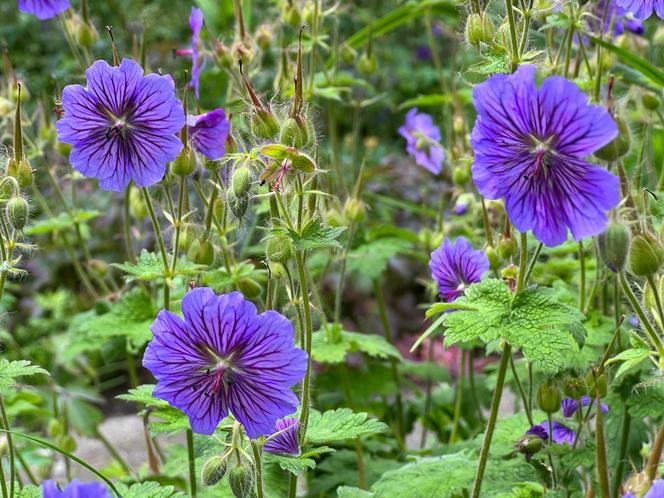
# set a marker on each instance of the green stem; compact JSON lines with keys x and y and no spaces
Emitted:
{"x":643,"y":318}
{"x":192,"y":463}
{"x":178,"y":226}
{"x":491,"y":424}
{"x":522,"y":393}
{"x":655,"y":454}
{"x":598,"y":75}
{"x":582,"y":282}
{"x":523,"y":259}
{"x":26,"y":469}
{"x":600,"y":451}
{"x":3,"y":482}
{"x":459,"y":398}
{"x":361,"y":473}
{"x":114,"y":452}
{"x":258,"y":468}
{"x":658,"y":299}
{"x":515,"y":45}
{"x":292,"y":485}
{"x":302,"y":277}
{"x":10,"y":445}
{"x":624,"y":440}
{"x":342,"y":273}
{"x":427,"y":397}
{"x":548,"y":452}
{"x":160,"y":243}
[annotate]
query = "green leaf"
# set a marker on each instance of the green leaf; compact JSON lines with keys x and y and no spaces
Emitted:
{"x":61,"y":222}
{"x":149,"y":490}
{"x":150,"y":267}
{"x":331,"y":346}
{"x":341,"y":424}
{"x":169,"y":419}
{"x":314,"y":236}
{"x":630,"y":358}
{"x":348,"y":492}
{"x":10,"y":370}
{"x":546,"y":330}
{"x":650,"y":71}
{"x":30,"y":491}
{"x":143,"y":394}
{"x":435,"y":100}
{"x":371,"y":259}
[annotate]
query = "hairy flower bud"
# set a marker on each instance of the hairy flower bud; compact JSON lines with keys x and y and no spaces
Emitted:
{"x":596,"y":384}
{"x":479,"y":29}
{"x":55,"y":428}
{"x":20,"y":170}
{"x":575,"y":387}
{"x":279,"y":249}
{"x":67,"y":443}
{"x":529,"y":445}
{"x":98,"y":267}
{"x":646,"y":254}
{"x":461,"y":175}
{"x":201,"y":252}
{"x":291,"y":14}
{"x":294,"y":133}
{"x":214,"y":470}
{"x":241,"y":480}
{"x":241,"y":181}
{"x":18,"y":212}
{"x":619,"y":146}
{"x":354,"y":210}
{"x":614,"y":246}
{"x":185,"y":162}
{"x":263,"y":124}
{"x":367,"y":64}
{"x":264,"y":36}
{"x":549,"y":397}
{"x":249,"y":287}
{"x":493,"y":257}
{"x":506,"y":247}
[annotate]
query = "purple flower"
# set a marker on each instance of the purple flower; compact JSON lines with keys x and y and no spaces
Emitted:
{"x":643,"y":9}
{"x":656,"y":490}
{"x":75,"y":489}
{"x":423,"y":141}
{"x":587,"y":400}
{"x":529,"y":147}
{"x":617,"y":16}
{"x":569,"y":407}
{"x":224,"y":357}
{"x":197,"y":60}
{"x":122,"y":126}
{"x":284,"y":439}
{"x":208,"y":133}
{"x":43,"y":9}
{"x":455,"y":266}
{"x":560,"y":433}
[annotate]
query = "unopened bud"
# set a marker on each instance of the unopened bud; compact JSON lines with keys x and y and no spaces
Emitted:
{"x":294,"y":133}
{"x":98,"y":267}
{"x":237,"y":205}
{"x":279,"y":249}
{"x":614,"y":245}
{"x":214,"y":470}
{"x":506,"y":247}
{"x":367,"y":64}
{"x":493,"y":257}
{"x":67,"y":443}
{"x":334,"y":218}
{"x":529,"y":445}
{"x":263,"y":124}
{"x":249,"y":287}
{"x":348,"y":54}
{"x":201,"y":252}
{"x":479,"y":29}
{"x":650,"y":101}
{"x":597,"y":385}
{"x":291,"y":14}
{"x":619,"y":146}
{"x":646,"y":254}
{"x":219,"y":208}
{"x":354,"y":210}
{"x":264,"y":36}
{"x":241,"y":480}
{"x":185,"y":162}
{"x":55,"y":428}
{"x":222,"y":56}
{"x":460,"y":175}
{"x":18,"y":212}
{"x":549,"y":397}
{"x":575,"y":387}
{"x":241,"y":181}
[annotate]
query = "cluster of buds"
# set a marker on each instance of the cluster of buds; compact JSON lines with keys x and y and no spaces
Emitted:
{"x":241,"y":474}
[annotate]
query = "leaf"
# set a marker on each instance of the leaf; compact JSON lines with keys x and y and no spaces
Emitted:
{"x":10,"y":370}
{"x":150,"y":267}
{"x":61,"y":222}
{"x":434,"y":100}
{"x":546,"y":330}
{"x":149,"y":490}
{"x":314,"y":236}
{"x":371,"y":259}
{"x":332,"y":345}
{"x":631,"y":358}
{"x":650,"y":71}
{"x":30,"y":491}
{"x":170,"y":419}
{"x":341,"y":424}
{"x":143,"y":394}
{"x":348,"y":492}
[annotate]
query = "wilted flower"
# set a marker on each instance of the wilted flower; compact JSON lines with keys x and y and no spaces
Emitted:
{"x":529,"y":147}
{"x":225,"y":357}
{"x":423,"y":140}
{"x":198,"y":61}
{"x":560,"y":433}
{"x":455,"y":266}
{"x":43,"y":9}
{"x":643,"y":9}
{"x":75,"y":489}
{"x":569,"y":405}
{"x":284,"y":440}
{"x":122,"y":126}
{"x":208,"y":133}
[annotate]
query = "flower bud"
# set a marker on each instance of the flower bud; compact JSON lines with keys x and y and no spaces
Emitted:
{"x":596,"y":385}
{"x":367,"y":64}
{"x":479,"y":29}
{"x":493,"y":257}
{"x":348,"y":54}
{"x":21,"y":171}
{"x":24,"y":95}
{"x":67,"y":443}
{"x":185,"y":162}
{"x":529,"y":445}
{"x":249,"y":287}
{"x":55,"y":428}
{"x":241,"y":181}
{"x":291,"y":14}
{"x":264,"y":36}
{"x":219,"y":208}
{"x":294,"y":133}
{"x":222,"y":55}
{"x":237,"y":205}
{"x":650,"y":101}
{"x":575,"y":387}
{"x":460,"y":175}
{"x":619,"y":146}
{"x":18,"y":212}
{"x":263,"y":124}
{"x":354,"y":210}
{"x":510,"y":273}
{"x":214,"y":470}
{"x":646,"y":254}
{"x":334,"y":218}
{"x":614,"y":245}
{"x":187,"y":237}
{"x":549,"y":397}
{"x":241,"y":480}
{"x":506,"y":247}
{"x":279,"y":249}
{"x":137,"y":207}
{"x":98,"y":267}
{"x":201,"y":252}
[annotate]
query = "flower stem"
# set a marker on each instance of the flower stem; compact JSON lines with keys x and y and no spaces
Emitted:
{"x":192,"y":463}
{"x":160,"y":243}
{"x":582,"y":277}
{"x":493,"y":416}
{"x":126,"y":222}
{"x":600,"y":452}
{"x":655,"y":454}
{"x":178,"y":226}
{"x":515,"y":45}
{"x":640,"y":313}
{"x":10,"y":445}
{"x":304,"y":415}
{"x":459,"y":398}
{"x":624,"y":440}
{"x":342,"y":273}
{"x":258,"y":468}
{"x":522,"y":393}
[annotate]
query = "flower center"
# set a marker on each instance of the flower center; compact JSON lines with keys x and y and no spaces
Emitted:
{"x":118,"y":125}
{"x":541,"y":150}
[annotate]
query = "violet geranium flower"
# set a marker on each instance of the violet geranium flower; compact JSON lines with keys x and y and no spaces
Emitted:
{"x":618,"y":17}
{"x":196,"y":22}
{"x":643,"y":9}
{"x":423,"y":140}
{"x":75,"y":489}
{"x":208,"y":133}
{"x":455,"y":266}
{"x":569,"y":405}
{"x":122,"y":126}
{"x":225,"y":357}
{"x":530,"y":146}
{"x":560,"y":433}
{"x":284,"y":439}
{"x":43,"y":9}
